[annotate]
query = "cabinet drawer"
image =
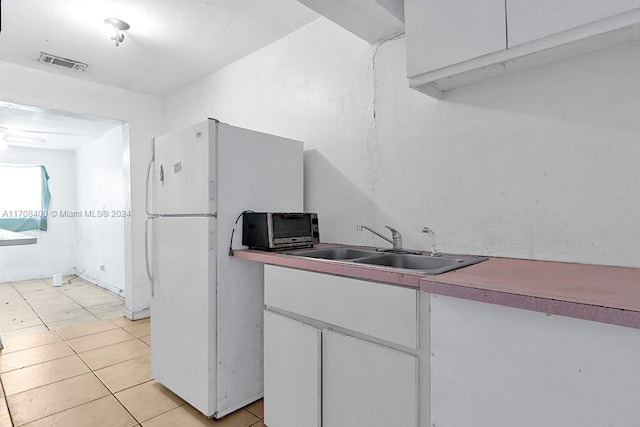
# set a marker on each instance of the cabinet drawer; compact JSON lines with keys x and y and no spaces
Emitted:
{"x":383,"y":311}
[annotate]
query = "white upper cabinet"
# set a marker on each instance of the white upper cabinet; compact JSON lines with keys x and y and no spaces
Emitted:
{"x":452,"y":43}
{"x":442,"y":33}
{"x":531,"y":20}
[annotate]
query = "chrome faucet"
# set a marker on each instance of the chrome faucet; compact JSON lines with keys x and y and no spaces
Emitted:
{"x":432,"y":240}
{"x":396,"y":237}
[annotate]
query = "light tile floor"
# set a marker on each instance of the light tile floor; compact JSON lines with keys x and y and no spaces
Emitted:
{"x":63,"y":366}
{"x":36,"y":306}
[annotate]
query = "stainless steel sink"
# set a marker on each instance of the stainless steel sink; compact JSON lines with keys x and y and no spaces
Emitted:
{"x":415,"y":262}
{"x":423,"y":263}
{"x":333,"y":253}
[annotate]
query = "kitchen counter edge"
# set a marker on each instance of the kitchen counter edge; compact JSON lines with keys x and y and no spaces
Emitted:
{"x":604,"y":294}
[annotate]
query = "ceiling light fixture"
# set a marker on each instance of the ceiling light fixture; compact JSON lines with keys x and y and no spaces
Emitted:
{"x":3,"y":142}
{"x":115,"y":27}
{"x":17,"y":139}
{"x":8,"y":137}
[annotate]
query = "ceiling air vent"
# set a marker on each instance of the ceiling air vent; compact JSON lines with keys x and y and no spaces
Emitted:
{"x":70,"y":64}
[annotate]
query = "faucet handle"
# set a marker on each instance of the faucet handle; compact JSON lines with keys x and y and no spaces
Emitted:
{"x":397,"y":238}
{"x":394,"y":232}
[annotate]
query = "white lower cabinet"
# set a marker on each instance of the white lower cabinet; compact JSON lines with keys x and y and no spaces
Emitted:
{"x":326,"y":362}
{"x":365,"y":384}
{"x":292,"y":363}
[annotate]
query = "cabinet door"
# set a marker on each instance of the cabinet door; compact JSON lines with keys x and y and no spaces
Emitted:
{"x":442,"y":33}
{"x":500,"y":366}
{"x":529,"y":20}
{"x":367,"y":385}
{"x":291,"y":372}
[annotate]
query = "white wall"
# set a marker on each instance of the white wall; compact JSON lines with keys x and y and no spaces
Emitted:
{"x":55,"y":250}
{"x":145,"y":117}
{"x":101,"y":189}
{"x":539,"y":164}
{"x":315,"y":86}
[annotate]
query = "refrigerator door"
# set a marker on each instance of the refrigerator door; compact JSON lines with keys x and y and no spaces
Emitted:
{"x":183,"y":323}
{"x":184,"y":171}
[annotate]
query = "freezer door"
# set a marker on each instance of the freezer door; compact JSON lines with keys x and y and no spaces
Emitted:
{"x":183,"y":328}
{"x":184,"y":171}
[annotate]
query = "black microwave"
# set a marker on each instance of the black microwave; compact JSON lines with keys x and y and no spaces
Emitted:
{"x":279,"y":230}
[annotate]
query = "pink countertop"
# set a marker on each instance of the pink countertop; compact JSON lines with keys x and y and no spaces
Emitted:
{"x":592,"y":292}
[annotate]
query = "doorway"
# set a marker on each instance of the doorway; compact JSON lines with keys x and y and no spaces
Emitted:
{"x":88,"y":225}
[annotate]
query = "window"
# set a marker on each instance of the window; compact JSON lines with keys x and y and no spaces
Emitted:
{"x":24,"y":197}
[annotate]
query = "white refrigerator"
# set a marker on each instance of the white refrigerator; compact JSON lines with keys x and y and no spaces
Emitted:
{"x":206,"y":306}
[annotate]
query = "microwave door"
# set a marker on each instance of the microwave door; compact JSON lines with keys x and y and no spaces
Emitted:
{"x":291,"y":228}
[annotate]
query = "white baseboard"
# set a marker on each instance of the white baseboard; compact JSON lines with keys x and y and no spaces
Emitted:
{"x":138,"y":314}
{"x":113,"y":289}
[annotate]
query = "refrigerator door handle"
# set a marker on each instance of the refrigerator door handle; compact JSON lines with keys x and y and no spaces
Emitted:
{"x":147,"y":223}
{"x":187,"y":215}
{"x":147,"y":193}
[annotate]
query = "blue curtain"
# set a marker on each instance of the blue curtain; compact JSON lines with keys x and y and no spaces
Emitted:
{"x":34,"y":222}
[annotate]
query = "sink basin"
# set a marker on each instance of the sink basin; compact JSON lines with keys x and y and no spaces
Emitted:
{"x":423,"y":263}
{"x":415,"y":262}
{"x":333,"y":253}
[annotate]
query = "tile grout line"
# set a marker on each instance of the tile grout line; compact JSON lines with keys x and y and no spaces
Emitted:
{"x":62,"y":339}
{"x":87,"y":309}
{"x":110,"y":393}
{"x":29,"y":304}
{"x":68,"y":282}
{"x":165,"y":412}
{"x":44,"y":385}
{"x":110,"y":345}
{"x":6,"y":402}
{"x":86,"y":335}
{"x":249,"y":410}
{"x":36,"y":364}
{"x":128,"y":388}
{"x":91,"y":371}
{"x":79,"y":303}
{"x":29,"y":348}
{"x":75,"y":353}
{"x":21,"y":295}
{"x":101,"y":382}
{"x":46,"y":325}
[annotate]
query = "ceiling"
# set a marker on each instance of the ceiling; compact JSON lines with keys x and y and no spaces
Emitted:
{"x":42,"y":128}
{"x":170,"y":44}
